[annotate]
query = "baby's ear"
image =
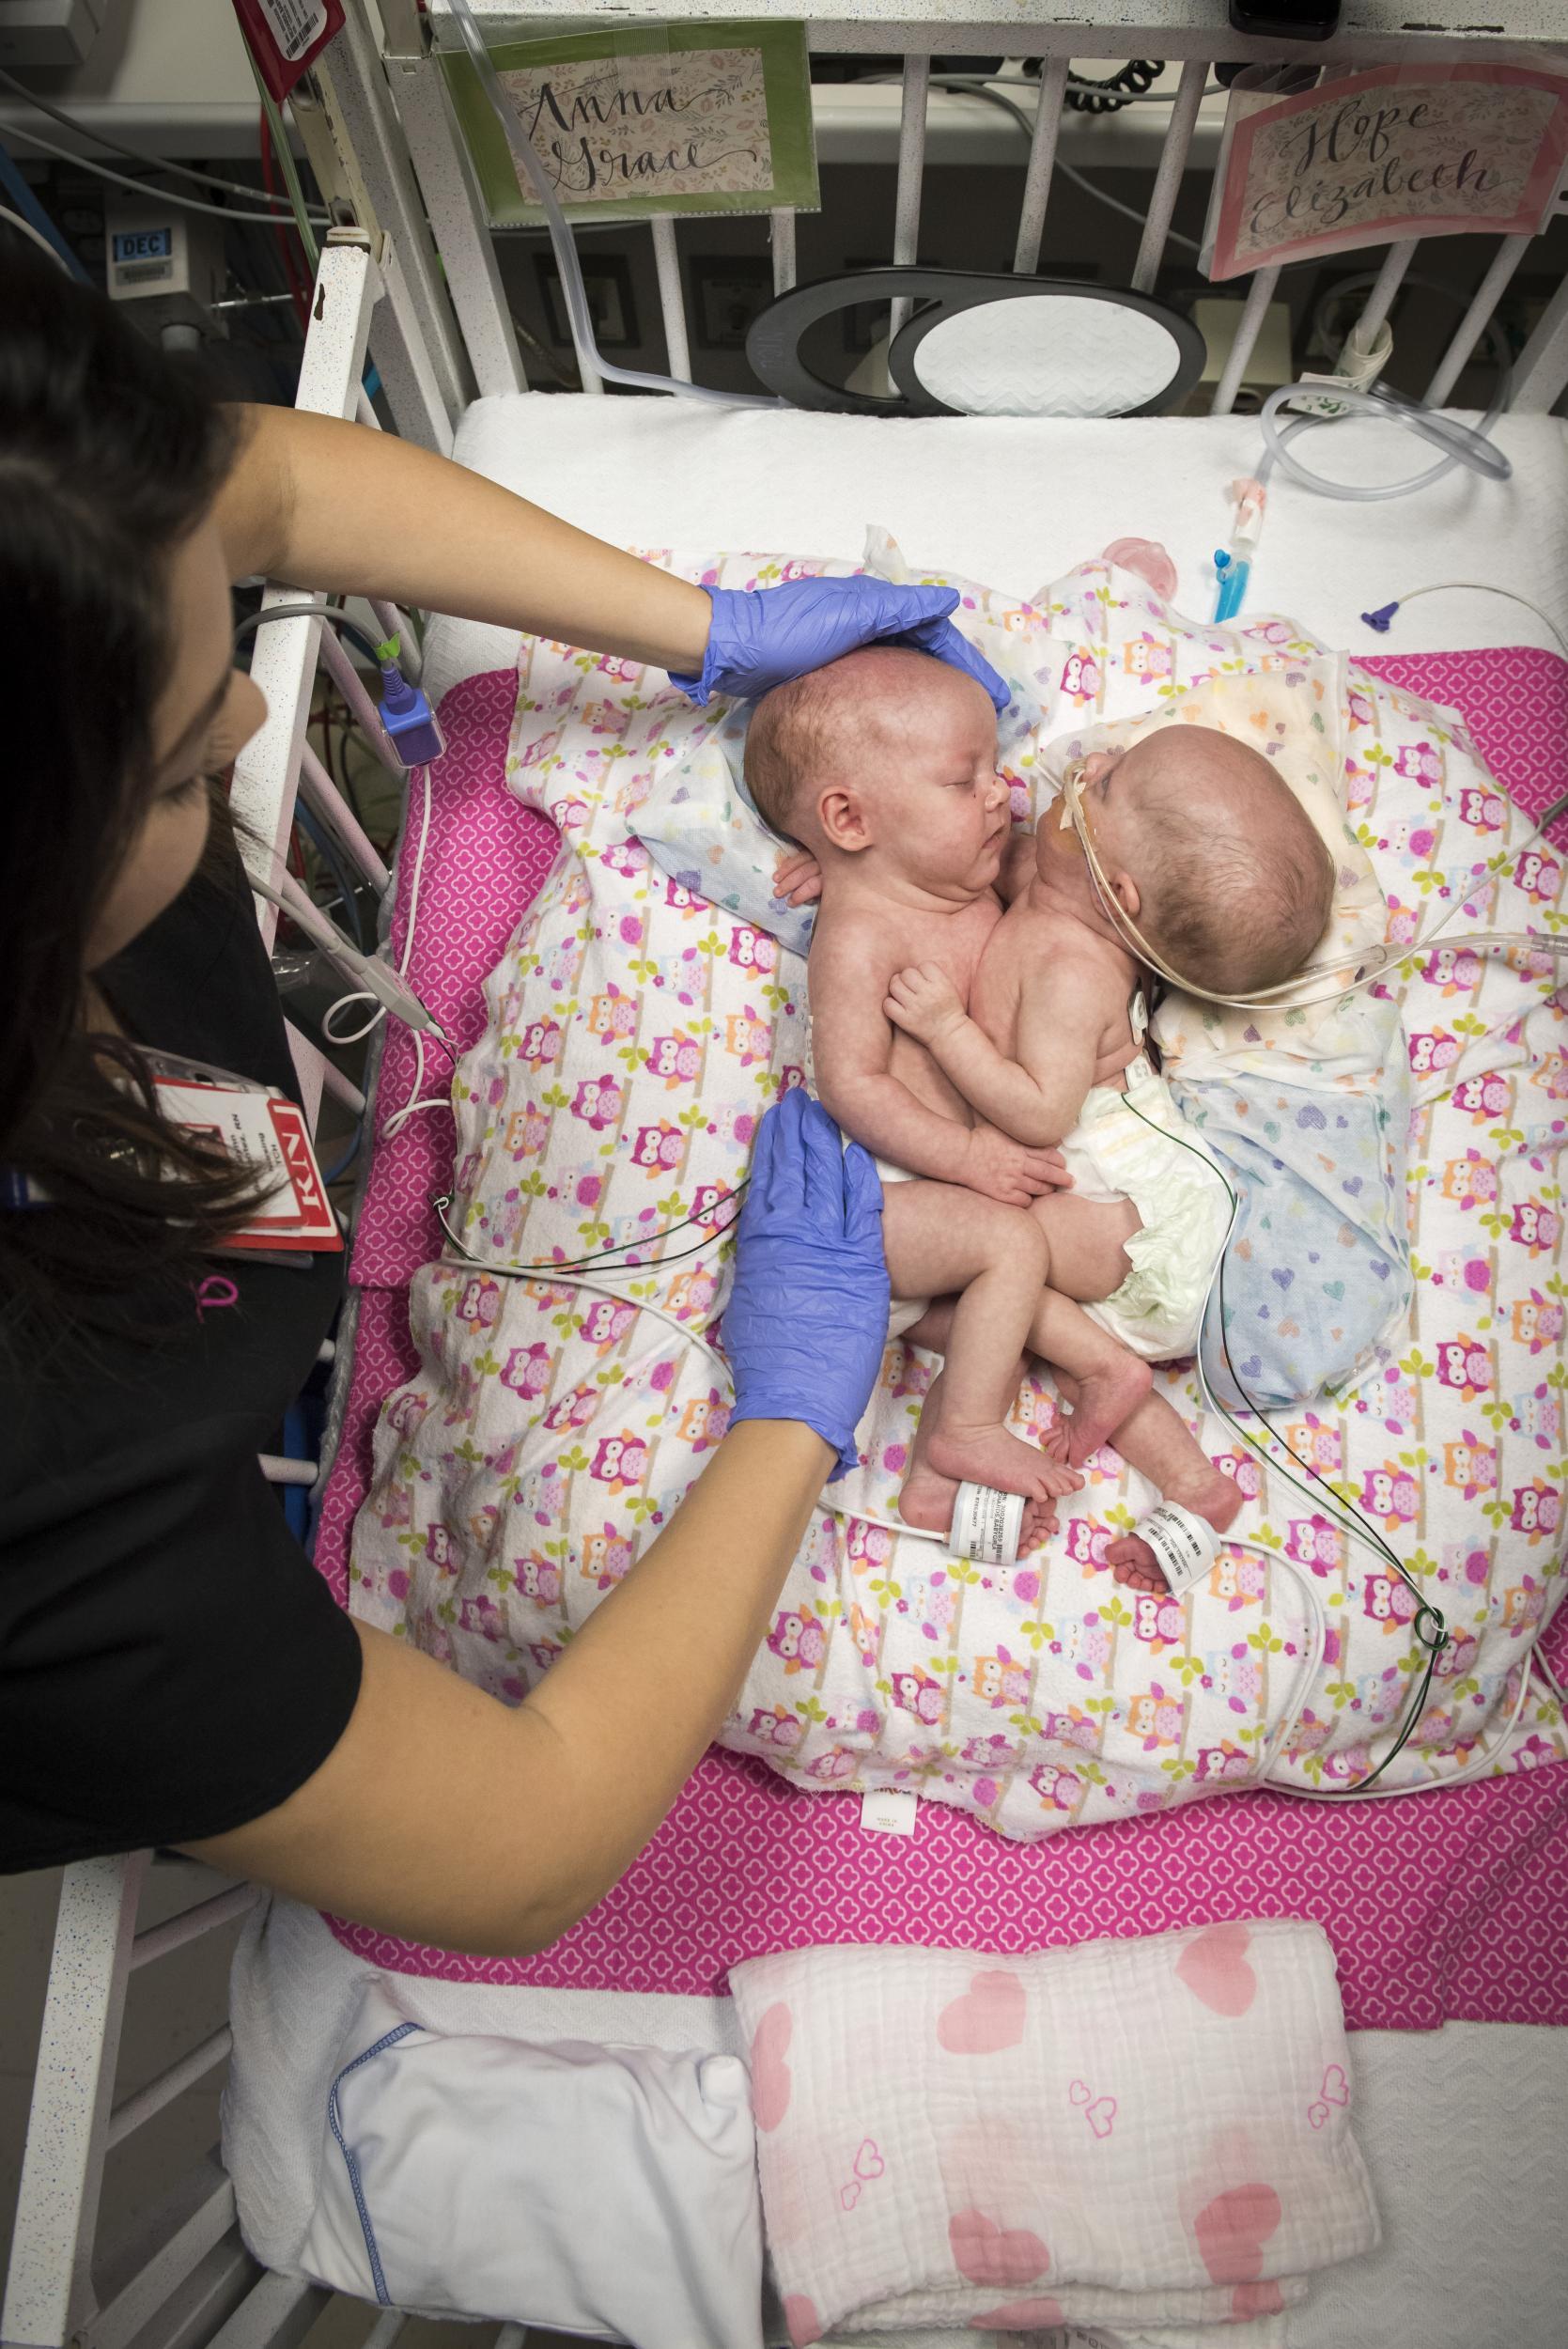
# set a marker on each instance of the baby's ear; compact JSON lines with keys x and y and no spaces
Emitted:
{"x":1127,"y":893}
{"x":843,"y":819}
{"x":1095,"y":764}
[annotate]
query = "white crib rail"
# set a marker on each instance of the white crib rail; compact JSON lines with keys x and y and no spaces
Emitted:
{"x":1042,"y":162}
{"x":415,"y":340}
{"x":1193,"y":33}
{"x":273,"y":767}
{"x":185,"y":2263}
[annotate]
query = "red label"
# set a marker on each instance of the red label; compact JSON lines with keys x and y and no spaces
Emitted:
{"x":310,"y":1193}
{"x":267,"y":1134}
{"x":285,"y":36}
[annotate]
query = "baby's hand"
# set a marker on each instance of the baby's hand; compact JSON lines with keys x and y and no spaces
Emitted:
{"x":798,"y":878}
{"x":923,"y":1001}
{"x":1004,"y":1168}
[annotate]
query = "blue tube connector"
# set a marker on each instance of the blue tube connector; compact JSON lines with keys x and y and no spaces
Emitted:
{"x":412,"y":724}
{"x":1381,"y":617}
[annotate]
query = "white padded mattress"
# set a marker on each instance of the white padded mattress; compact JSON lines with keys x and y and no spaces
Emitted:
{"x":1462,"y":2130}
{"x":1016,"y":501}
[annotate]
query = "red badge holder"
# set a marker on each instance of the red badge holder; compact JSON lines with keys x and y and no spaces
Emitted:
{"x":260,"y":1129}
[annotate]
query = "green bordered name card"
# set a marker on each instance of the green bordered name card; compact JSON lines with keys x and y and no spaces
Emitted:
{"x":657,"y":118}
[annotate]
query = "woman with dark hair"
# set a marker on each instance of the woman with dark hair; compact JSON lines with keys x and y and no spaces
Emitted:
{"x":172,"y":1671}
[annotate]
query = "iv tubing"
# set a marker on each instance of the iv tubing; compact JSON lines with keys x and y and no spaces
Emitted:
{"x":1461,"y":443}
{"x":561,"y":239}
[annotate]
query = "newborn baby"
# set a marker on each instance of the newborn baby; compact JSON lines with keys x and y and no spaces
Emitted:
{"x":888,"y":775}
{"x":1211,"y":856}
{"x":885,"y":770}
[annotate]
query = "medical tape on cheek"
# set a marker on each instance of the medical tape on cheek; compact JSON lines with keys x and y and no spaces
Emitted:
{"x":1186,"y":1546}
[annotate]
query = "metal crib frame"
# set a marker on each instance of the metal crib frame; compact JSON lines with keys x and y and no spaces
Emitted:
{"x":1196,"y":32}
{"x":416,"y":283}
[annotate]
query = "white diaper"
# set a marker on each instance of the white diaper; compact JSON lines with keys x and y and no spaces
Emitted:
{"x":905,"y":1311}
{"x":1136,"y":1145}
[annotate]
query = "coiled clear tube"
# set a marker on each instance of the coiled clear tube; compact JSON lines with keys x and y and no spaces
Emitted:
{"x":1460,"y":444}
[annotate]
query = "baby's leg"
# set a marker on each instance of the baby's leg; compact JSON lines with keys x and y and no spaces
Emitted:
{"x":1088,"y":1261}
{"x":928,"y":1498}
{"x":940,"y":1238}
{"x":1156,"y":1442}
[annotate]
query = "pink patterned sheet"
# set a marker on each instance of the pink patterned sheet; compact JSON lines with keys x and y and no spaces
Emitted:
{"x":1439,"y":1909}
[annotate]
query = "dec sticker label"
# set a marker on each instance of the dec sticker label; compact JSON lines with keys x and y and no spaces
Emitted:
{"x":295,"y":23}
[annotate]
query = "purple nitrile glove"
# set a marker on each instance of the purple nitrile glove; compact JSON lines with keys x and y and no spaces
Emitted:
{"x":763,"y":635}
{"x":807,"y":1321}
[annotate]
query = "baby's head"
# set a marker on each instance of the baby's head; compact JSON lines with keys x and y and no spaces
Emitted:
{"x":888,"y":755}
{"x":1232,"y":882}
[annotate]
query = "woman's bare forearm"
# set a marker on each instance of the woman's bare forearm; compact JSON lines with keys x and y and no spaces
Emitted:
{"x":648,"y":1681}
{"x":447,"y":1817}
{"x":323,"y":504}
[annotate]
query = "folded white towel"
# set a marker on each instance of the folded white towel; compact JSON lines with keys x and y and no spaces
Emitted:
{"x":606,"y":2192}
{"x":1150,"y":2135}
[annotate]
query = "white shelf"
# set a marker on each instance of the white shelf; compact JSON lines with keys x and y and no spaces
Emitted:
{"x":166,"y":74}
{"x":1166,"y":28}
{"x":193,"y":49}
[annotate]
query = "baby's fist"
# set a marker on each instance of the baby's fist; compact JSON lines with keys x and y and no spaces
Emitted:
{"x":798,"y":878}
{"x":1004,"y":1168}
{"x":923,"y":1001}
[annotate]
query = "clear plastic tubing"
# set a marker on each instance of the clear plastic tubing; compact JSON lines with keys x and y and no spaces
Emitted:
{"x":1460,"y":444}
{"x":561,"y":238}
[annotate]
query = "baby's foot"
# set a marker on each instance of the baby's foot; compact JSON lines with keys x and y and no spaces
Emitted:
{"x":989,"y":1455}
{"x":927,"y":1501}
{"x":1135,"y":1565}
{"x":1207,"y":1493}
{"x":1105,"y":1399}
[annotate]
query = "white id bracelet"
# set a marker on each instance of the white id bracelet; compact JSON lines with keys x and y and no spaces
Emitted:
{"x":1186,"y":1546}
{"x":986,"y":1525}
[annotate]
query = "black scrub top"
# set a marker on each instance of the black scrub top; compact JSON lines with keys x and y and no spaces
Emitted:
{"x":171,"y":1664}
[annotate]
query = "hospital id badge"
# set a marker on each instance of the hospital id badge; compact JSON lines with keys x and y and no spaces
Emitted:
{"x":258,"y":1128}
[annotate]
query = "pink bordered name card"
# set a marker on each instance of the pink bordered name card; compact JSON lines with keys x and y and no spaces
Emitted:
{"x":1392,"y":152}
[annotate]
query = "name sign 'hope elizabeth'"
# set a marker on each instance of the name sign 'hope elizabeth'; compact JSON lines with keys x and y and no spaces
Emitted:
{"x":1390,"y":154}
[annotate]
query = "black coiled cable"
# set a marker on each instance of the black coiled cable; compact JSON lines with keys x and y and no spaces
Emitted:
{"x":1087,"y":95}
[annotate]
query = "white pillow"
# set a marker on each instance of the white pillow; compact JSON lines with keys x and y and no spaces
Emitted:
{"x":609,"y":2192}
{"x":699,"y":825}
{"x":698,"y":822}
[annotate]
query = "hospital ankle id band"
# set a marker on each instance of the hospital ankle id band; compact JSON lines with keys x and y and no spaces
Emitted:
{"x":1186,"y":1546}
{"x":986,"y":1525}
